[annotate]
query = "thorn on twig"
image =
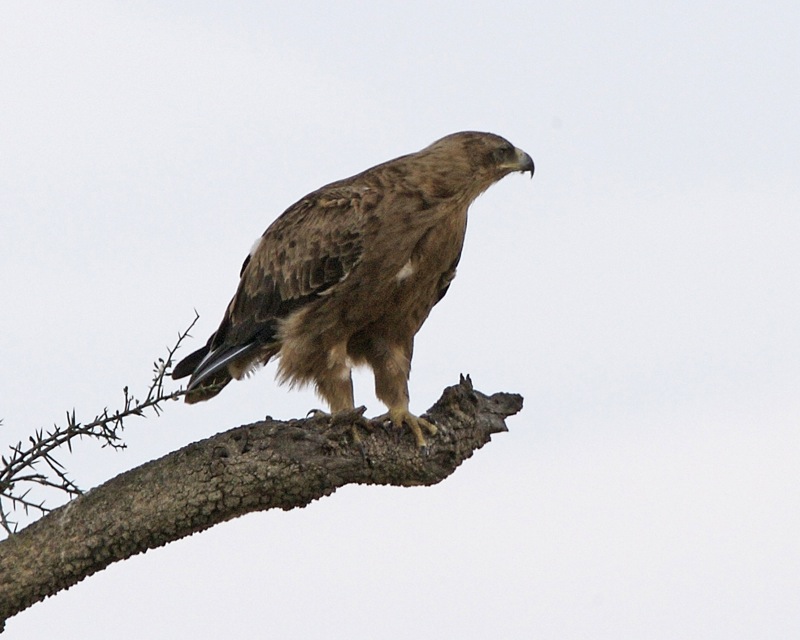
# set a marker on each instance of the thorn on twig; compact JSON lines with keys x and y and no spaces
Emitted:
{"x":16,"y":479}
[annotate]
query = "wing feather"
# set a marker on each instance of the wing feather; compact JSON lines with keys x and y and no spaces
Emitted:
{"x":446,"y":279}
{"x":308,"y":250}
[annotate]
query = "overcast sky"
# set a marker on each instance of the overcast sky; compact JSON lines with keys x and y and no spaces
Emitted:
{"x":641,"y":292}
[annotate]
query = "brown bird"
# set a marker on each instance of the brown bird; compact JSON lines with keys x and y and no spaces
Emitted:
{"x":347,"y":275}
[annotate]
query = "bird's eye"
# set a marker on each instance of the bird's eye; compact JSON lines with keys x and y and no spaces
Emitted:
{"x":504,"y":153}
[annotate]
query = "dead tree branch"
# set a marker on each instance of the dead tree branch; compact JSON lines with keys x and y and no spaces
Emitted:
{"x":265,"y":465}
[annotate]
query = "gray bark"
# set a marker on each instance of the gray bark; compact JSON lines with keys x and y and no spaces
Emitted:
{"x":265,"y":465}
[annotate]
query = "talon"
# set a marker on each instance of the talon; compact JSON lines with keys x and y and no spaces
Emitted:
{"x":399,"y":417}
{"x":318,"y":413}
{"x":356,"y":417}
{"x":346,"y":419}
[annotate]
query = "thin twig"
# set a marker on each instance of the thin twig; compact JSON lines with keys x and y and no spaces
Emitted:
{"x":22,"y":470}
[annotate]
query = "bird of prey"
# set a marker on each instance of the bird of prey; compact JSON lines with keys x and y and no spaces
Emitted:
{"x":347,"y":275}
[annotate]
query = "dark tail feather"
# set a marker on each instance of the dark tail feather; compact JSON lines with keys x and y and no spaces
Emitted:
{"x":187,"y":366}
{"x":209,"y":387}
{"x":209,"y":370}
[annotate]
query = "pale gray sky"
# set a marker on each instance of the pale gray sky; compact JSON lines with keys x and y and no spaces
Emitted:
{"x":641,"y":293}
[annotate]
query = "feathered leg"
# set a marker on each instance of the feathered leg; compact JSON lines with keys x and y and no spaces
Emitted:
{"x":336,"y":388}
{"x":392,"y":365}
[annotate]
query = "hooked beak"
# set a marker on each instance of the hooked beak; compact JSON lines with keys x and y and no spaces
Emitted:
{"x":524,"y":162}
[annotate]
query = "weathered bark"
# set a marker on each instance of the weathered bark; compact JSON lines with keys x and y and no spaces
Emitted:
{"x":254,"y":467}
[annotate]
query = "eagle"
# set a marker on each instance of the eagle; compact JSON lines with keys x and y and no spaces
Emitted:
{"x":347,"y":275}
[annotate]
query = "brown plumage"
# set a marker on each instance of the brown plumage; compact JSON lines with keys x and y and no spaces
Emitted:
{"x":348,"y":274}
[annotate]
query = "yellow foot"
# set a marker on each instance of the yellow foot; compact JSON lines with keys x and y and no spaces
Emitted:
{"x":399,"y":417}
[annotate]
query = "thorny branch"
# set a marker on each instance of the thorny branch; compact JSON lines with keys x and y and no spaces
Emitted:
{"x":34,"y":464}
{"x":270,"y":464}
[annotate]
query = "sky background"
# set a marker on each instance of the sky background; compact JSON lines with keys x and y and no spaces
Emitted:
{"x":642,"y":293}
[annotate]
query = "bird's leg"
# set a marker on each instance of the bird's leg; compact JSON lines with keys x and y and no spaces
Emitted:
{"x":391,"y":387}
{"x":337,"y":390}
{"x":334,"y":383}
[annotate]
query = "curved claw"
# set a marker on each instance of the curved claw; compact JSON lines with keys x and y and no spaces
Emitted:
{"x":354,"y":417}
{"x":400,"y":416}
{"x":318,"y":413}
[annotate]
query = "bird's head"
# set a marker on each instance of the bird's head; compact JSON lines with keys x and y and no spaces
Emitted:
{"x":480,"y":159}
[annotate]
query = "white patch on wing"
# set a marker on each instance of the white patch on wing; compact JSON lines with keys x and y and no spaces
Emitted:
{"x":255,"y":246}
{"x":406,"y":271}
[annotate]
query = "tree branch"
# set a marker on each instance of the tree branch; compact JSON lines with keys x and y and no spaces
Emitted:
{"x":19,"y":472}
{"x":265,"y":465}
